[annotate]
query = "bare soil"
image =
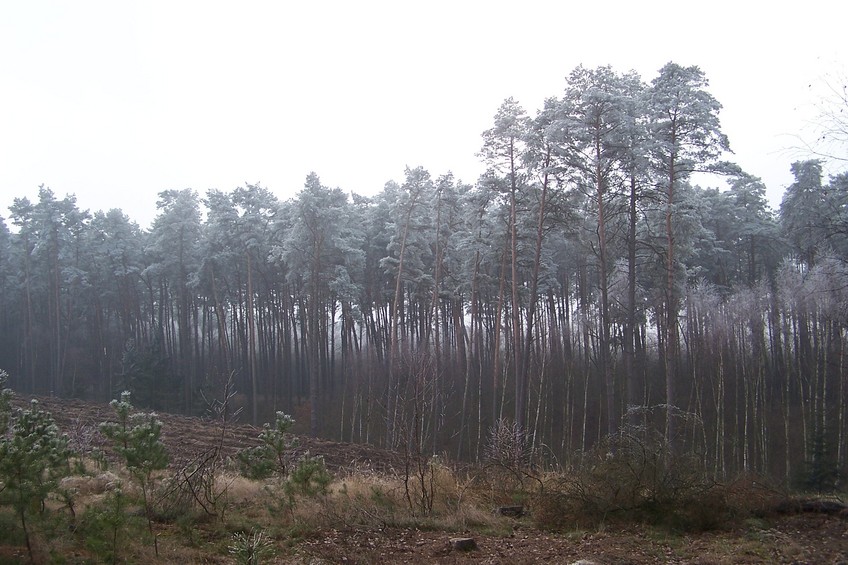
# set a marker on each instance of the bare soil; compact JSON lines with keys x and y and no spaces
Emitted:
{"x":799,"y":539}
{"x":791,"y":538}
{"x":186,"y":437}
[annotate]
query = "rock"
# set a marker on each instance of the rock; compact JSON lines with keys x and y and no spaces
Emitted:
{"x":463,"y":544}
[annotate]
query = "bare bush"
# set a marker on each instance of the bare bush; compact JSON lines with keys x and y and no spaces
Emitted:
{"x":199,"y":483}
{"x":634,"y":475}
{"x":508,"y":446}
{"x":508,"y":475}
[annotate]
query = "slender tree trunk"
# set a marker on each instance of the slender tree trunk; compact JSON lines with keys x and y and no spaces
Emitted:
{"x":534,"y":279}
{"x":604,"y":345}
{"x":629,"y":346}
{"x":496,"y":346}
{"x":29,"y":347}
{"x":672,"y":340}
{"x":391,"y":411}
{"x":56,"y":287}
{"x":437,"y":344}
{"x":840,"y":392}
{"x":251,"y":346}
{"x":520,"y":383}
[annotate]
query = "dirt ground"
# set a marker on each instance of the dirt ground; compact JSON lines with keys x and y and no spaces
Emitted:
{"x":799,"y":538}
{"x":186,"y":437}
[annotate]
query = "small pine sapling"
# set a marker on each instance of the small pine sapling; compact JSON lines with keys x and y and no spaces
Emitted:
{"x":309,"y":478}
{"x":5,"y":403}
{"x":34,"y":456}
{"x":104,"y":526}
{"x":274,"y":454}
{"x":136,"y":437}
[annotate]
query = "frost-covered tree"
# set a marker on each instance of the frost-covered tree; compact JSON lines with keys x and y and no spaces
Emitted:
{"x":114,"y":261}
{"x":317,"y":251}
{"x":593,"y":131}
{"x":50,"y":283}
{"x":804,"y":211}
{"x":408,"y":249}
{"x":504,"y":145}
{"x":172,"y":257}
{"x":686,"y":137}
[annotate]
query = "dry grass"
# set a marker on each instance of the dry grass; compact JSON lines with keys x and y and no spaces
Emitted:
{"x":364,"y":508}
{"x":99,"y":516}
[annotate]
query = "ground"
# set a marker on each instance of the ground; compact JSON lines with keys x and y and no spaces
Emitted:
{"x":799,"y":537}
{"x":807,"y":539}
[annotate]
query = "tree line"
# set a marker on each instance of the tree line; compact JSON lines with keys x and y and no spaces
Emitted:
{"x":584,"y":282}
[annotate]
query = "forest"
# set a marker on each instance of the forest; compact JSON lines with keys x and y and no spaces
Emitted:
{"x":585,"y":282}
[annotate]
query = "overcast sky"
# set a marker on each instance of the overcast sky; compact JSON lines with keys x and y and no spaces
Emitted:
{"x":116,"y":101}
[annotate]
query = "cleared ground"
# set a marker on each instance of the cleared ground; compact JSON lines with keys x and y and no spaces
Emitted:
{"x":800,"y":537}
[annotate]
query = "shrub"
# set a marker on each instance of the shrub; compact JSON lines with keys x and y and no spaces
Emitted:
{"x":634,"y":476}
{"x":197,"y":485}
{"x":200,"y":482}
{"x":252,"y":548}
{"x":820,"y":471}
{"x":508,"y":475}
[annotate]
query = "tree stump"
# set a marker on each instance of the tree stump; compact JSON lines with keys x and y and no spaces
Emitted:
{"x":463,"y":544}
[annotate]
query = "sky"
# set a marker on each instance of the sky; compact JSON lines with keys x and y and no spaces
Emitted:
{"x":115,"y":101}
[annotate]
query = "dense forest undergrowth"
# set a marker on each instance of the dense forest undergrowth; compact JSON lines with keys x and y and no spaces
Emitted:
{"x":584,"y":285}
